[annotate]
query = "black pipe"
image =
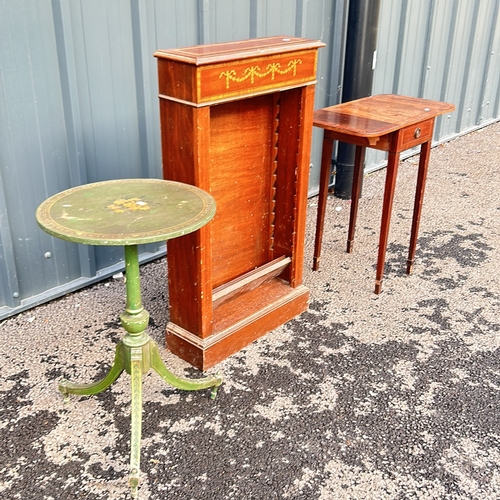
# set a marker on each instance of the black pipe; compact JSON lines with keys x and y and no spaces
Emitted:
{"x":359,"y":66}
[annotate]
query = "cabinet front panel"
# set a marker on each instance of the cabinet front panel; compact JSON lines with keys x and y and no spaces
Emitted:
{"x":241,"y":169}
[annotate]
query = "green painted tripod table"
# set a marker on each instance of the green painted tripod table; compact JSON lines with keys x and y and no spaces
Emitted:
{"x":128,"y":213}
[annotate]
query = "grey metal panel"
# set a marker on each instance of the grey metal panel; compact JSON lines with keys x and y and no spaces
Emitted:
{"x":9,"y":291}
{"x":325,"y":21}
{"x":479,"y":64}
{"x":472,"y":46}
{"x":441,"y":50}
{"x":105,"y":90}
{"x":33,"y":155}
{"x":490,"y":103}
{"x":78,"y":99}
{"x":105,"y":75}
{"x":67,"y":117}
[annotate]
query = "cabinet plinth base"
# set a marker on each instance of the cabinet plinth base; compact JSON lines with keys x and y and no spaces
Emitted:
{"x":238,"y":323}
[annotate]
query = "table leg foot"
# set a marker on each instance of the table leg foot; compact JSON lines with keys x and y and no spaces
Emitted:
{"x":66,"y":387}
{"x":134,"y":484}
{"x":378,"y":286}
{"x":316,"y":263}
{"x":350,"y":245}
{"x":409,"y":266}
{"x":213,"y":392}
{"x":181,"y":382}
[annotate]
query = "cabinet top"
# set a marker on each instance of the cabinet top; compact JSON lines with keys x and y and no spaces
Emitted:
{"x":228,"y":51}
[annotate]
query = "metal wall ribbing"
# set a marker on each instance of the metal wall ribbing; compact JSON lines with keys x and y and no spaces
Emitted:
{"x":78,"y":99}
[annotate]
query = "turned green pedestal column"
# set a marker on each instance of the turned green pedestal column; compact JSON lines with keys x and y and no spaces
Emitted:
{"x":128,"y":213}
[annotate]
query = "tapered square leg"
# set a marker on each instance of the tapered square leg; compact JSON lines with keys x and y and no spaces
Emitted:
{"x":390,"y":184}
{"x":326,"y":170}
{"x":425,"y":152}
{"x":357,"y":181}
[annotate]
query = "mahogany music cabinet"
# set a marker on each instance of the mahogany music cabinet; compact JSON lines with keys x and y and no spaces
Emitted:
{"x":236,"y":121}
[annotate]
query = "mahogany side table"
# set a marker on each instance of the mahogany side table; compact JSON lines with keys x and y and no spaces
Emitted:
{"x":391,"y":123}
{"x":128,"y":213}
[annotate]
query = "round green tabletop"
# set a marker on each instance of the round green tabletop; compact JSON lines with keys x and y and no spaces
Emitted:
{"x":126,"y":212}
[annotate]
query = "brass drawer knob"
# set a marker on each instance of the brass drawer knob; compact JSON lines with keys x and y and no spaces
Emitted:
{"x":417,"y":133}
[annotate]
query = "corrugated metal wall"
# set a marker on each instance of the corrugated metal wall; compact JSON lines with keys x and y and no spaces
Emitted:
{"x":446,"y":50}
{"x":78,"y":99}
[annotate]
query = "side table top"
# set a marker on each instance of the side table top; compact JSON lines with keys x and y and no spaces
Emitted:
{"x":378,"y":115}
{"x":126,"y":212}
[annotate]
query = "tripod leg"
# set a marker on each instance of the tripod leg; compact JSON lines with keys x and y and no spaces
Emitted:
{"x":181,"y":382}
{"x":136,"y":418}
{"x":66,"y":387}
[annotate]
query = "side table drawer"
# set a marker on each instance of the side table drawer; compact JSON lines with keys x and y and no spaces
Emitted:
{"x":415,"y":134}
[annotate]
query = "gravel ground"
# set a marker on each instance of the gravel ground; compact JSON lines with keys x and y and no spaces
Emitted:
{"x":361,"y":397}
